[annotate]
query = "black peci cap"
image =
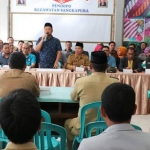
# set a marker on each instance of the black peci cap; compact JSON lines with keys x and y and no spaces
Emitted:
{"x":98,"y":57}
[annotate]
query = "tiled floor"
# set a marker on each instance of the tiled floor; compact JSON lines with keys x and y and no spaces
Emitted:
{"x":142,"y":121}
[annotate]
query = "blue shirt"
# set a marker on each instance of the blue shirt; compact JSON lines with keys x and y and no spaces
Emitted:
{"x":3,"y":60}
{"x":111,"y":61}
{"x":48,"y":52}
{"x":30,"y":59}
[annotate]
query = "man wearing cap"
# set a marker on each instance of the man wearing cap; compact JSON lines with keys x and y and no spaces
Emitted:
{"x":78,"y":59}
{"x":32,"y":51}
{"x":49,"y":48}
{"x":89,"y":89}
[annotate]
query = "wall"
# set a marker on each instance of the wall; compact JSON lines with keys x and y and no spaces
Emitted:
{"x":118,"y":29}
{"x":119,"y":22}
{"x":4,"y":20}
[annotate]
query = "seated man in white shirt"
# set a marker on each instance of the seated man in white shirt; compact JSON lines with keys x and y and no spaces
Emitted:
{"x":118,"y":106}
{"x":20,"y":119}
{"x":30,"y":58}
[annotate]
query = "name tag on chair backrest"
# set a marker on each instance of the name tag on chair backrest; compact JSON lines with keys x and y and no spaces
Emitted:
{"x":127,"y":71}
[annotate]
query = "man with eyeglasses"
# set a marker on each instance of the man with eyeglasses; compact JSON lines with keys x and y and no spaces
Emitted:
{"x":30,"y":58}
{"x":110,"y":59}
{"x":130,"y":61}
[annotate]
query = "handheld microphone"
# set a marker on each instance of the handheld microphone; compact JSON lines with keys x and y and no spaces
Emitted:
{"x":45,"y":37}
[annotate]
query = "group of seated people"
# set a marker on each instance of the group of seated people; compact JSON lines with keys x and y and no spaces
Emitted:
{"x":122,"y":58}
{"x":6,"y":49}
{"x":20,"y":115}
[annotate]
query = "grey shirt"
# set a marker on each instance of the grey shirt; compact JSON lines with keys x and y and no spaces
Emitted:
{"x":64,"y":56}
{"x":118,"y":137}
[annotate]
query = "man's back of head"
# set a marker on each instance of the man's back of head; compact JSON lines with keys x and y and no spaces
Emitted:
{"x":17,"y":60}
{"x":98,"y":62}
{"x":118,"y":103}
{"x":20,"y":116}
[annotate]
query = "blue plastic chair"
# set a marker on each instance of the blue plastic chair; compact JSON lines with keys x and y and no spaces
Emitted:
{"x":45,"y":115}
{"x":47,"y":128}
{"x":100,"y":126}
{"x":3,"y":137}
{"x":148,"y":94}
{"x":136,"y":127}
{"x":78,"y":138}
{"x":59,"y":65}
{"x":50,"y":142}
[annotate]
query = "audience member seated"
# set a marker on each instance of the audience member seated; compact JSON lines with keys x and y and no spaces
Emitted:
{"x":20,"y":119}
{"x":1,"y":47}
{"x":10,"y":40}
{"x":112,"y":50}
{"x":110,"y":59}
{"x":30,"y":58}
{"x":16,"y":78}
{"x":19,"y":47}
{"x":142,"y":46}
{"x":132,"y":46}
{"x":11,"y":48}
{"x":121,"y":52}
{"x":146,"y":63}
{"x":4,"y":58}
{"x":78,"y":59}
{"x":65,"y":54}
{"x":98,"y":47}
{"x":118,"y":106}
{"x":36,"y":54}
{"x":130,"y":62}
{"x":142,"y":57}
{"x":88,"y":89}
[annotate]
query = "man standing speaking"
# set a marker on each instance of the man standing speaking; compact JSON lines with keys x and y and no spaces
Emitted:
{"x":49,"y":48}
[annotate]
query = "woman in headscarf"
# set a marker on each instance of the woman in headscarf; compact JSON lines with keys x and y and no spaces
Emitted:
{"x":98,"y":47}
{"x":121,"y":51}
{"x":146,"y":63}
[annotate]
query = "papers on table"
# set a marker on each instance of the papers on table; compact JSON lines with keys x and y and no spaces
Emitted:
{"x":81,"y":69}
{"x":45,"y":90}
{"x":127,"y":71}
{"x":51,"y":70}
{"x":5,"y":67}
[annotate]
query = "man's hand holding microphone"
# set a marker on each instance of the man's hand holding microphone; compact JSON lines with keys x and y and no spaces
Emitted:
{"x":44,"y":37}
